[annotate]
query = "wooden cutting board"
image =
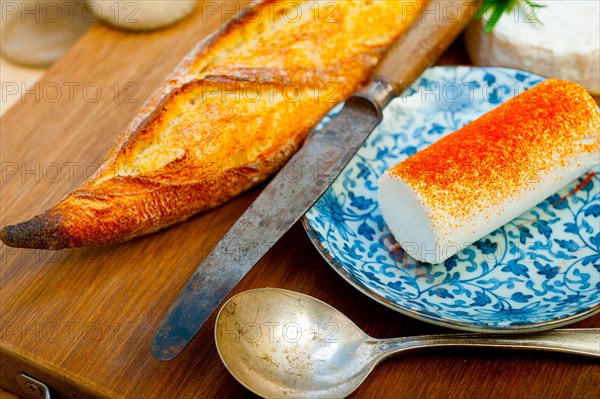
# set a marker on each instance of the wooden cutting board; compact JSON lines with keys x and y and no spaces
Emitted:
{"x":81,"y":321}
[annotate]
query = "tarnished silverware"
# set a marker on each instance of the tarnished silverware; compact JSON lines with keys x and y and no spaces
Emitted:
{"x":280,"y":343}
{"x":283,"y":202}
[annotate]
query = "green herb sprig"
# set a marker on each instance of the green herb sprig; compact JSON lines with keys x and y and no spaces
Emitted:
{"x":500,"y":7}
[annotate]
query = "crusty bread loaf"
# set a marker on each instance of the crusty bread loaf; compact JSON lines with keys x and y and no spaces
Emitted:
{"x":231,"y":114}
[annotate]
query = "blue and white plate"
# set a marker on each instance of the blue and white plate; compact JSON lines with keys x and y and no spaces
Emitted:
{"x":540,"y":271}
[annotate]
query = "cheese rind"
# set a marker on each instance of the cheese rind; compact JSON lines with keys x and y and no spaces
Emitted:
{"x":480,"y":177}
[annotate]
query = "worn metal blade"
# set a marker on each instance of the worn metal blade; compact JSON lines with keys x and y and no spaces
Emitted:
{"x":281,"y":204}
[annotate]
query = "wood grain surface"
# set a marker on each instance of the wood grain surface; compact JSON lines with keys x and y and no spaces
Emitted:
{"x":81,"y":321}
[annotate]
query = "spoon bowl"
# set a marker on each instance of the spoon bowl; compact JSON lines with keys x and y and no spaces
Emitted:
{"x":280,"y":343}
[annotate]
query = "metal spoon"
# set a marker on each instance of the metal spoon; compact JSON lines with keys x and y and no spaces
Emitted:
{"x":280,"y":343}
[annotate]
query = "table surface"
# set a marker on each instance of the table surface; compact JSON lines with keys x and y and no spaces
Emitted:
{"x":106,"y":280}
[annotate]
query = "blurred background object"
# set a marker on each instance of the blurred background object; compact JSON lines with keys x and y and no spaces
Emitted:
{"x":37,"y":33}
{"x":559,"y":40}
{"x":141,"y":15}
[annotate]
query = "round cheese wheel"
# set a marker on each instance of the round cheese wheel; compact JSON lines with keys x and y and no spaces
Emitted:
{"x":35,"y":34}
{"x":141,"y":15}
{"x":564,"y":44}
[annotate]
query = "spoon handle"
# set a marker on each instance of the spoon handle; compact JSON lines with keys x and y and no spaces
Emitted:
{"x":584,"y":341}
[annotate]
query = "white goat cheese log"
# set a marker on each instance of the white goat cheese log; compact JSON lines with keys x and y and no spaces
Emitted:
{"x":477,"y":179}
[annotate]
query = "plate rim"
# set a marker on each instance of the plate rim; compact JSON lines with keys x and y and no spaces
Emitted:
{"x":464,"y":326}
{"x":433,"y":318}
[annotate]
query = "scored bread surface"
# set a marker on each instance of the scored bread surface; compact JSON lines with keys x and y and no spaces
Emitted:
{"x":231,"y":114}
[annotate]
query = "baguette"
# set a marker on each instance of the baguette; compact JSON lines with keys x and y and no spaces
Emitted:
{"x":230,"y":115}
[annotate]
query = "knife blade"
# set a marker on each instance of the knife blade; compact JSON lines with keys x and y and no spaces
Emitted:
{"x":316,"y":165}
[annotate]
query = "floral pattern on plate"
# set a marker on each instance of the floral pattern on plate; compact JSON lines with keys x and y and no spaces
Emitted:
{"x":539,"y":271}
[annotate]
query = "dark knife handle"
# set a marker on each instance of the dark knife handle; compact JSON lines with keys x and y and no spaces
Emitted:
{"x":438,"y":24}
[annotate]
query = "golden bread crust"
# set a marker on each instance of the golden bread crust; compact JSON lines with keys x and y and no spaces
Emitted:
{"x":230,"y":115}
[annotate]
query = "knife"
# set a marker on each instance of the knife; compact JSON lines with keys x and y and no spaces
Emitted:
{"x":316,"y":165}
